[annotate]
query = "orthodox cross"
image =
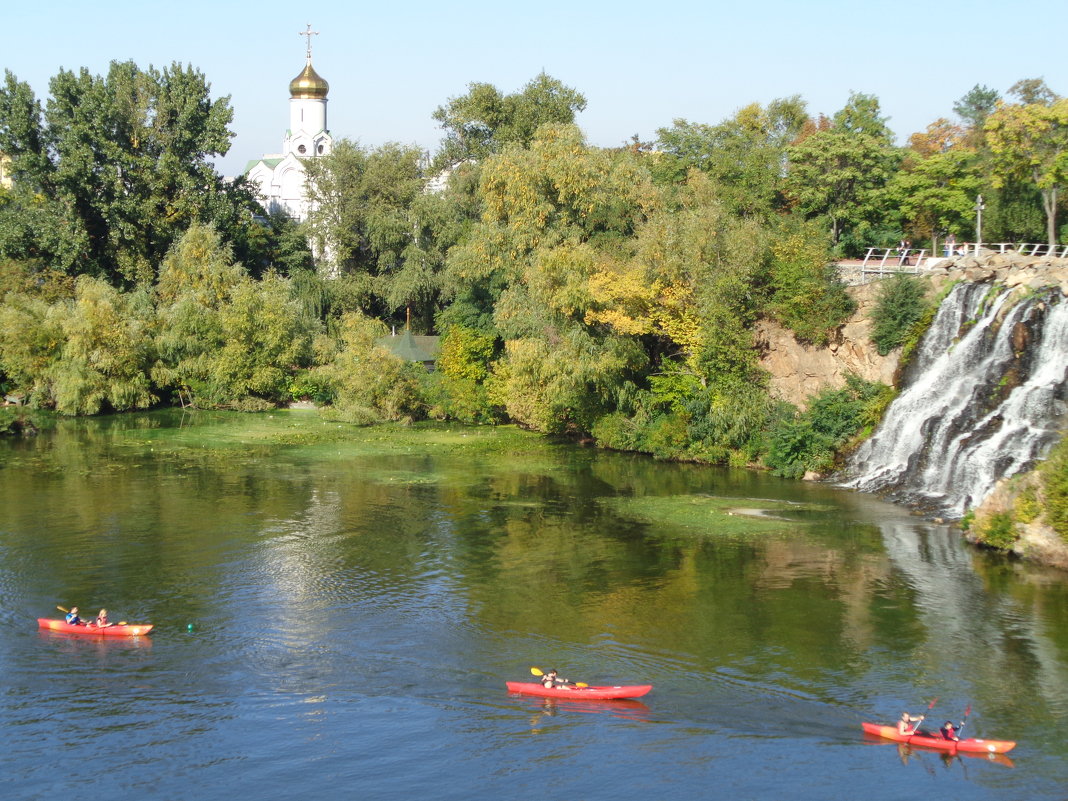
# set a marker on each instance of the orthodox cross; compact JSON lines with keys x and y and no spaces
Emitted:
{"x":309,"y":33}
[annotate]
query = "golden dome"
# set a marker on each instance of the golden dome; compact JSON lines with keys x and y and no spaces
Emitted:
{"x":308,"y":84}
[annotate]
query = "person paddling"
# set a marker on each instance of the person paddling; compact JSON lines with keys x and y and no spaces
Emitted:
{"x":903,"y":725}
{"x":72,"y":617}
{"x":102,"y":620}
{"x":550,"y":680}
{"x":949,"y":732}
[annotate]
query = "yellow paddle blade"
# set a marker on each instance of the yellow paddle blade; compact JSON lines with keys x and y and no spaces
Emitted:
{"x":536,"y":671}
{"x":63,"y":609}
{"x":581,"y":684}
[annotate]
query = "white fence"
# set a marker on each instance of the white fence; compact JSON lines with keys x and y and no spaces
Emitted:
{"x":1022,"y":248}
{"x":893,"y":260}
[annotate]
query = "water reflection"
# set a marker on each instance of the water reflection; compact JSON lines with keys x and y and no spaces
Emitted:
{"x":925,"y":757}
{"x":80,"y":643}
{"x":357,"y":596}
{"x":626,"y":709}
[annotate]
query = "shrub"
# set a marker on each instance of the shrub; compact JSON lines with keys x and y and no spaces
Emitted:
{"x":666,"y":437}
{"x":1055,"y":487}
{"x":998,"y":531}
{"x":810,"y":441}
{"x":807,"y":295}
{"x":796,"y":447}
{"x":617,"y":431}
{"x":1026,"y":506}
{"x":899,"y":307}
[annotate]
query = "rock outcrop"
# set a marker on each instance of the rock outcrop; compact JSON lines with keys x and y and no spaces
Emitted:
{"x":1036,"y":541}
{"x":800,"y":371}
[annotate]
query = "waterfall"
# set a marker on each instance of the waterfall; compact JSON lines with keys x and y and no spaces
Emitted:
{"x":983,"y":399}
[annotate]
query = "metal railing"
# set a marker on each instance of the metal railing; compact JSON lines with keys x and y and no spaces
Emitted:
{"x":1022,"y":248}
{"x":893,"y":260}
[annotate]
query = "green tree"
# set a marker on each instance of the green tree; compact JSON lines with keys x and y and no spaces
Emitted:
{"x":106,"y":353}
{"x":1029,"y":141}
{"x":112,"y":170}
{"x":484,"y":121}
{"x":554,"y":214}
{"x":806,"y":294}
{"x":974,"y":107}
{"x":839,"y":173}
{"x":936,"y":191}
{"x":745,"y":155}
{"x":362,"y":219}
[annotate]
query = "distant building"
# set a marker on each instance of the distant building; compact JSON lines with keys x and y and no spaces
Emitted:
{"x":411,"y":348}
{"x":280,"y":177}
{"x":5,"y":171}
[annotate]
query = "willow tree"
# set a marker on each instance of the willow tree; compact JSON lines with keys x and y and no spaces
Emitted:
{"x":196,"y":280}
{"x":106,"y":353}
{"x":224,"y":339}
{"x":553,"y":213}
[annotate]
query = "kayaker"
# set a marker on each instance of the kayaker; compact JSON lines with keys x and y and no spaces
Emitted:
{"x":903,"y":725}
{"x":949,"y":732}
{"x":550,"y":679}
{"x":102,"y":620}
{"x":72,"y":617}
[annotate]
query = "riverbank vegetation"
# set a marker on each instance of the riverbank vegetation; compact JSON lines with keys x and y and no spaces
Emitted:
{"x":600,"y":293}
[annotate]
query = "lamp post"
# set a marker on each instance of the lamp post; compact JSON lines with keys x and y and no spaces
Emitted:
{"x":979,"y":206}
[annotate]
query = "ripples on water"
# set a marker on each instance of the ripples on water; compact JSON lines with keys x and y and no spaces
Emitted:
{"x":353,"y":626}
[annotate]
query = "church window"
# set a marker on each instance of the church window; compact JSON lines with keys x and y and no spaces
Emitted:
{"x":302,"y":149}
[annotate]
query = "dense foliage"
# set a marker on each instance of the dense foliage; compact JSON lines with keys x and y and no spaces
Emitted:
{"x":901,"y":304}
{"x":1055,"y":487}
{"x":608,"y":293}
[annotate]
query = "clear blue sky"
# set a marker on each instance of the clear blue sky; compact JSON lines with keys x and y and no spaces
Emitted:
{"x":640,"y":65}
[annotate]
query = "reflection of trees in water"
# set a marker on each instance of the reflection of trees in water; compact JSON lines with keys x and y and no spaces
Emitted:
{"x":970,"y":613}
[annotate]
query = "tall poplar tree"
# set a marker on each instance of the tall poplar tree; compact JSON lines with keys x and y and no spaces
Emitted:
{"x":112,"y":169}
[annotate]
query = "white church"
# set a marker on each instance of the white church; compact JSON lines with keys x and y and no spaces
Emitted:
{"x":280,"y":177}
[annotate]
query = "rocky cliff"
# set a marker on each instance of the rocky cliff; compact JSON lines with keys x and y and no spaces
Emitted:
{"x":1010,"y":516}
{"x":800,"y":371}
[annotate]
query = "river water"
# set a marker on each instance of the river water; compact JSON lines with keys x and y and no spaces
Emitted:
{"x":337,"y":610}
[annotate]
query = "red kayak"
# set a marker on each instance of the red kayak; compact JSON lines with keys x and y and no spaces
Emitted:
{"x":128,"y":630}
{"x":579,"y":693}
{"x":966,"y":746}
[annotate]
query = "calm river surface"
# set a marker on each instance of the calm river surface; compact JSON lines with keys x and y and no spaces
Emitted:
{"x":358,"y":597}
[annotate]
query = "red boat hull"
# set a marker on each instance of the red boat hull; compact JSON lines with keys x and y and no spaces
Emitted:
{"x":129,"y":630}
{"x":579,"y":693}
{"x":966,"y":746}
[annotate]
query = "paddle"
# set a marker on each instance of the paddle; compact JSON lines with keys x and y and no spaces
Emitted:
{"x":538,"y":672}
{"x":967,"y":711}
{"x":930,"y":706}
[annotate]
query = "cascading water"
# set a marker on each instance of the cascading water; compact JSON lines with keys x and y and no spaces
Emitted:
{"x":983,"y":398}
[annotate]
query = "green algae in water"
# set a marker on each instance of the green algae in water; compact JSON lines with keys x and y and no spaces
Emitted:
{"x":712,"y":515}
